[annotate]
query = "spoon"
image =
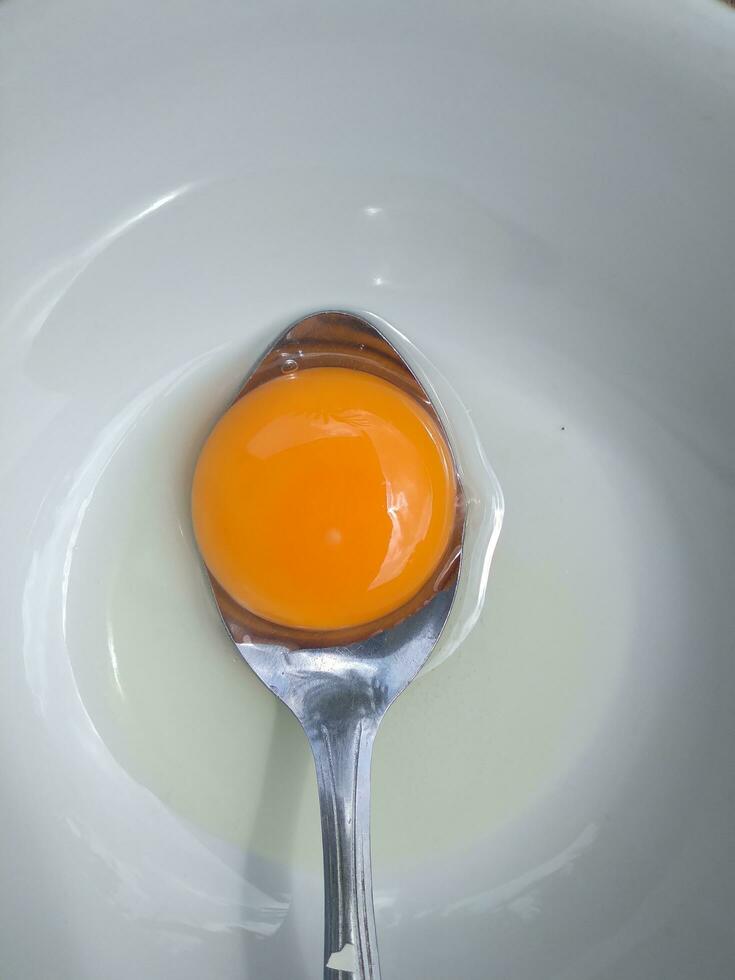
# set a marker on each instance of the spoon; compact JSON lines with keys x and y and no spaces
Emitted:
{"x":340,"y":683}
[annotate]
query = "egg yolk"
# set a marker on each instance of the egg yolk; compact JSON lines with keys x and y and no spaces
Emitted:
{"x":324,"y":499}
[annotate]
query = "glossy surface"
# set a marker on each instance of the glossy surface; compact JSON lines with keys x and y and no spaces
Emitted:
{"x":324,"y":499}
{"x":560,"y":247}
{"x":339,"y":683}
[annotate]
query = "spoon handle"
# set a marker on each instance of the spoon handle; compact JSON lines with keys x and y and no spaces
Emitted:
{"x":343,"y":750}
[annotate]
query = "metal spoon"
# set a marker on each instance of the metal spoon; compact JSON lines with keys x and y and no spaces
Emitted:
{"x":339,"y":684}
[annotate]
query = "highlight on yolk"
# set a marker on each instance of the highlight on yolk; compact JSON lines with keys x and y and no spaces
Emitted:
{"x":324,"y":499}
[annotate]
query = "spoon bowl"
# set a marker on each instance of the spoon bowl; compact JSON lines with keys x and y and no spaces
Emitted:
{"x":340,"y":683}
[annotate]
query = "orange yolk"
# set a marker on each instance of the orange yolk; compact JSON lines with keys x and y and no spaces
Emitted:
{"x":324,"y":499}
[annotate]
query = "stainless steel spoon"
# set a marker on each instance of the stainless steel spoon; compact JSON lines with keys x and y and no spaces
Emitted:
{"x":340,"y":684}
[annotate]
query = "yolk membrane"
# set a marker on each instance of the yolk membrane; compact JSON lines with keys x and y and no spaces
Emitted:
{"x":324,"y":499}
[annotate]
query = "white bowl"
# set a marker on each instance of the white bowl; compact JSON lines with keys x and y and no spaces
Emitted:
{"x":540,"y":196}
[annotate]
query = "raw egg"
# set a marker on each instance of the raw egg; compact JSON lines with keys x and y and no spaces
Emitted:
{"x":324,"y":499}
